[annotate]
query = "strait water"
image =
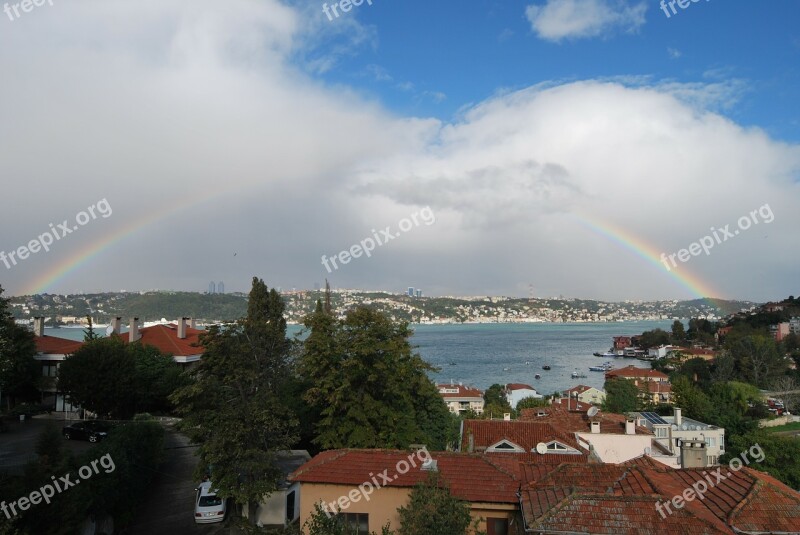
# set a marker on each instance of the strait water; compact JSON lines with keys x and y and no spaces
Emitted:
{"x":483,"y":354}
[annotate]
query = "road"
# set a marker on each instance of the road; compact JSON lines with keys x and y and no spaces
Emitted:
{"x":18,"y":443}
{"x":169,"y":507}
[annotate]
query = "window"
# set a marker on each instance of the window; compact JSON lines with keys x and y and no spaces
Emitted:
{"x":504,"y":446}
{"x":496,"y":526}
{"x":661,"y":432}
{"x":356,"y":521}
{"x":290,"y":497}
{"x":711,"y":442}
{"x":49,"y":369}
{"x":558,"y":447}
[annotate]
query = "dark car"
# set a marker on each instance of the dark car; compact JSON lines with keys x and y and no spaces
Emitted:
{"x":89,"y":430}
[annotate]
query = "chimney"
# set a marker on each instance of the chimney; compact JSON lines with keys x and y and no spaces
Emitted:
{"x":115,"y":325}
{"x":507,"y":416}
{"x":678,"y":418}
{"x":693,"y":454}
{"x":182,"y":328}
{"x":38,"y":326}
{"x":133,"y":333}
{"x":630,"y":427}
{"x":192,"y":323}
{"x":595,"y":427}
{"x":471,"y":443}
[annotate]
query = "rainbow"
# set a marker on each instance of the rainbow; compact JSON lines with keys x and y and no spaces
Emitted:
{"x":640,"y":248}
{"x":82,"y":256}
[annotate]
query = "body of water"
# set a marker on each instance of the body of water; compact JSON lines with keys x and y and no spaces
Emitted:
{"x":483,"y":354}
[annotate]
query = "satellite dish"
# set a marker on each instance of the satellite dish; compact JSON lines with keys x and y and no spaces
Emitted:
{"x":684,"y":427}
{"x":541,"y":448}
{"x":109,"y":330}
{"x":592,"y":412}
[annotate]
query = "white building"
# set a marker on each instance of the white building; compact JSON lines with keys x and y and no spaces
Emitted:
{"x":515,"y":392}
{"x":460,"y":398}
{"x":672,"y":431}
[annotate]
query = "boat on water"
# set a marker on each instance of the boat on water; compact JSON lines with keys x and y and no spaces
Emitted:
{"x":505,"y":369}
{"x":602,"y":367}
{"x":609,"y":354}
{"x":596,"y":354}
{"x":546,"y":367}
{"x":578,"y":375}
{"x":452,"y":363}
{"x":537,"y":376}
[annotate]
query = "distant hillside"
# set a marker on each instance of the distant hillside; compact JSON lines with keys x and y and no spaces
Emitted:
{"x":152,"y":306}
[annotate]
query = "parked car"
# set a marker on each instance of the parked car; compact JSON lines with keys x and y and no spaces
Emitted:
{"x":208,"y":507}
{"x":90,"y":430}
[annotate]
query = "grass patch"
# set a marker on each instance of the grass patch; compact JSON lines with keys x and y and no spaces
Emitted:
{"x":794,"y":426}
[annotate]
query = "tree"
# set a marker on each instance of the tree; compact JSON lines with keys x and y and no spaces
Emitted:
{"x":371,"y":389}
{"x":622,"y":395}
{"x":100,"y":377}
{"x":691,"y":399}
{"x":678,"y":332}
{"x":697,"y":370}
{"x":654,"y":338}
{"x":19,"y":371}
{"x":780,"y":454}
{"x":758,"y":359}
{"x":789,"y":391}
{"x":235,"y":407}
{"x":88,"y":333}
{"x":433,"y":510}
{"x":531,"y":402}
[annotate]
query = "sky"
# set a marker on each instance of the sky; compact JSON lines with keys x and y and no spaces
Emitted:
{"x":602,"y":149}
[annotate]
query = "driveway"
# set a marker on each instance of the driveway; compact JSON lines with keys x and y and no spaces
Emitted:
{"x":169,"y":506}
{"x":18,"y":443}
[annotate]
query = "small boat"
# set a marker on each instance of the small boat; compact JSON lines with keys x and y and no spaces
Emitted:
{"x":578,"y":375}
{"x":546,"y":367}
{"x":604,"y":367}
{"x":505,"y":369}
{"x":452,"y":363}
{"x":596,"y":354}
{"x":527,"y":362}
{"x":537,"y":376}
{"x":609,"y":354}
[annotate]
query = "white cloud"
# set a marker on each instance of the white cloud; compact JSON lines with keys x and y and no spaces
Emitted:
{"x":566,"y":19}
{"x":173,"y":102}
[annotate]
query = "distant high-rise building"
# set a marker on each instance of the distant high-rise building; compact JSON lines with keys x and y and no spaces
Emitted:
{"x":221,"y":287}
{"x":411,"y":291}
{"x":212,"y":288}
{"x":419,"y":292}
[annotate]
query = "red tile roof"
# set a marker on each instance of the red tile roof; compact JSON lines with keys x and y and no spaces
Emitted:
{"x":634,"y":372}
{"x":474,"y":478}
{"x":622,"y":499}
{"x":525,"y":434}
{"x":52,"y":345}
{"x":463,"y":391}
{"x":572,"y":421}
{"x":519,"y":386}
{"x":165,"y":338}
{"x":657,"y":387}
{"x":573,"y":404}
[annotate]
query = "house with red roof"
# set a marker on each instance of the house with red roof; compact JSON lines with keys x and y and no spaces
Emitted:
{"x":460,"y":399}
{"x":586,"y":394}
{"x":180,"y":340}
{"x":639,"y":497}
{"x":516,"y":392}
{"x":653,"y":384}
{"x":366,"y":487}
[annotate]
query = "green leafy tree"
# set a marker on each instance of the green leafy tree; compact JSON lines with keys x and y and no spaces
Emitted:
{"x":758,"y":359}
{"x":697,"y":370}
{"x":654,"y":338}
{"x":691,"y":399}
{"x":19,"y":371}
{"x":371,"y":389}
{"x":235,"y":408}
{"x":622,"y":395}
{"x":678,"y":332}
{"x":531,"y":403}
{"x":433,"y":510}
{"x":88,"y":333}
{"x":780,"y":454}
{"x":100,"y":377}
